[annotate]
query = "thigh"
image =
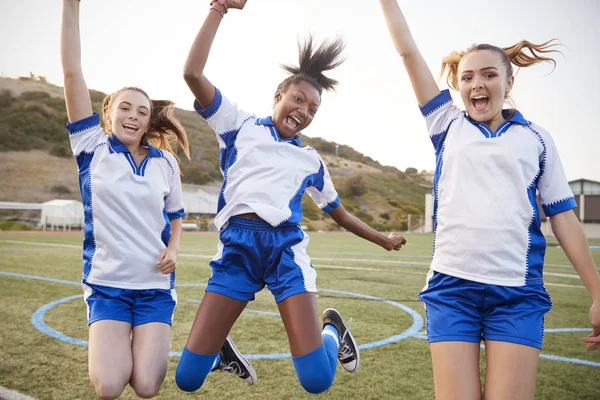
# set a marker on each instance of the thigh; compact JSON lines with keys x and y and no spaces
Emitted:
{"x":301,"y":321}
{"x":453,"y":309}
{"x":456,"y":370}
{"x":109,"y":356}
{"x":516,"y":314}
{"x":213,"y":321}
{"x":154,"y":305}
{"x":150,"y":346}
{"x":237,"y":266}
{"x":510,"y":370}
{"x":291,"y":273}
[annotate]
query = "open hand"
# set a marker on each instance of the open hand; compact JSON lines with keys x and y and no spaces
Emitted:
{"x":593,"y":340}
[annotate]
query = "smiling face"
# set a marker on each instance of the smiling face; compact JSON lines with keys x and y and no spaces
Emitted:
{"x":484,"y":85}
{"x":130,"y":116}
{"x":295,"y":108}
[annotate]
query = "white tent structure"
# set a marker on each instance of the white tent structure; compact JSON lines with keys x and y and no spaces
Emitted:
{"x":62,"y":213}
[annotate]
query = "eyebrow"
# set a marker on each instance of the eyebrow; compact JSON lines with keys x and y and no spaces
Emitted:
{"x":482,"y":69}
{"x":129,"y":104}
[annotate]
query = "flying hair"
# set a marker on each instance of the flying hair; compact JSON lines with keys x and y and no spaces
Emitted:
{"x":312,"y":62}
{"x":523,"y":54}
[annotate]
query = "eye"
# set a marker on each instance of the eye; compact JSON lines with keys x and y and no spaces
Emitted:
{"x":124,"y":108}
{"x":312,"y":111}
{"x":467,"y":78}
{"x":297,"y":99}
{"x":144,"y":113}
{"x":490,"y":76}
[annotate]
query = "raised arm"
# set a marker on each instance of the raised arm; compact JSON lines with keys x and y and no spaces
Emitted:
{"x":77,"y":96}
{"x":193,"y":72}
{"x":421,"y":78}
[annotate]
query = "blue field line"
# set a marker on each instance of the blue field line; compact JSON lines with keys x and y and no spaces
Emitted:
{"x":37,"y":320}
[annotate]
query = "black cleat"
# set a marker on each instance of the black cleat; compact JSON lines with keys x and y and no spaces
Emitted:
{"x":348,"y":354}
{"x":233,"y":361}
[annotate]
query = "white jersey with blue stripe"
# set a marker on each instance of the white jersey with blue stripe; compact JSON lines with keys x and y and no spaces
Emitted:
{"x":264,"y":173}
{"x":128,"y":208}
{"x":486,"y":218}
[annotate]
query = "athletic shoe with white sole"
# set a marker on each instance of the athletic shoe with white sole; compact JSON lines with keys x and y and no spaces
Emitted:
{"x":232,"y":361}
{"x":348,"y":354}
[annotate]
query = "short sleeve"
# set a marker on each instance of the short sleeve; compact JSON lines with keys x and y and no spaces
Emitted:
{"x":555,"y":193}
{"x":86,"y":134}
{"x":224,"y":118}
{"x":174,"y":199}
{"x":439,"y":114}
{"x":322,"y":191}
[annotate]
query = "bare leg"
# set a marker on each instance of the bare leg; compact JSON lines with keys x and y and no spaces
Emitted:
{"x":109,"y":357}
{"x":511,"y":371}
{"x":456,"y":370}
{"x":150,"y":346}
{"x":301,"y":322}
{"x":214,"y":319}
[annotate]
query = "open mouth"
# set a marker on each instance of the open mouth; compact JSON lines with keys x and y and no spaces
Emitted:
{"x":130,"y":128}
{"x":293,"y":121}
{"x":480,"y":102}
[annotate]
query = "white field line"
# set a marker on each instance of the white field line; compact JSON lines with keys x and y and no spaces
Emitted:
{"x":356,"y":260}
{"x":12,"y":395}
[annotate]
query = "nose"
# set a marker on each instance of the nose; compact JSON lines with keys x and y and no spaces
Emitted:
{"x":477,"y":84}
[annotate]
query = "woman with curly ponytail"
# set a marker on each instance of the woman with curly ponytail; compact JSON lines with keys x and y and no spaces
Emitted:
{"x":485,"y":281}
{"x":131,"y":190}
{"x":266,"y":171}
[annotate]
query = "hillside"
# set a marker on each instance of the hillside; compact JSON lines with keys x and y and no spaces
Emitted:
{"x":37,"y":164}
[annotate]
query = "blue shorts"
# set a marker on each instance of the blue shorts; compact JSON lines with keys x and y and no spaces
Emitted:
{"x":460,"y":310}
{"x":252,"y":254}
{"x":137,"y":307}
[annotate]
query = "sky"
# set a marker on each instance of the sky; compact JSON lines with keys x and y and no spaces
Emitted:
{"x":145,"y":43}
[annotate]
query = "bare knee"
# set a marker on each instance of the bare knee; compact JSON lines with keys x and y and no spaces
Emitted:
{"x":145,"y":389}
{"x":108,"y":390}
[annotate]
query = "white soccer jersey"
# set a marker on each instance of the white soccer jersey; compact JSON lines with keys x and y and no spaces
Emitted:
{"x":486,"y":219}
{"x":264,"y":173}
{"x":128,"y":208}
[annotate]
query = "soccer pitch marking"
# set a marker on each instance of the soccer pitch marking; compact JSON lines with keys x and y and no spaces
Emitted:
{"x":37,"y":320}
{"x":418,"y":264}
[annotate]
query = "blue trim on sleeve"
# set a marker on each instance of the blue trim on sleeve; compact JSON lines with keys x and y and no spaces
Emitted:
{"x":212,"y":108}
{"x":83,"y":124}
{"x":175,"y":214}
{"x":438,"y":101}
{"x":559,"y":206}
{"x":330,"y":206}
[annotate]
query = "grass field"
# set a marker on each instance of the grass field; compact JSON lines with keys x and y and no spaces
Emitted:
{"x":354,"y":276}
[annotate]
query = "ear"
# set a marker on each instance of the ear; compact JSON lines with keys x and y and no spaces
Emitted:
{"x":278,"y":96}
{"x":509,"y":86}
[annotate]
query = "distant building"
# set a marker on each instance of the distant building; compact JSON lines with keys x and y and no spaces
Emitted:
{"x":587,"y":195}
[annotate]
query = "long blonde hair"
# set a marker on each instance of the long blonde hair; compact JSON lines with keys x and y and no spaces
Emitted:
{"x":522,"y":54}
{"x":164,"y":131}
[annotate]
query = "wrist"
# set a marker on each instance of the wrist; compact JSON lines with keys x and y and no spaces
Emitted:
{"x":219,"y":5}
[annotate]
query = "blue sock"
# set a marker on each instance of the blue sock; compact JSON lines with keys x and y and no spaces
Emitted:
{"x":314,"y":370}
{"x":192,"y":369}
{"x":330,"y":341}
{"x":216,"y":362}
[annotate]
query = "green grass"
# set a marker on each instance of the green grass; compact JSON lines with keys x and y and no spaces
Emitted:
{"x":40,"y":366}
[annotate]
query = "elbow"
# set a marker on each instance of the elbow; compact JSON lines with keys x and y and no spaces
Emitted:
{"x":190,"y":76}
